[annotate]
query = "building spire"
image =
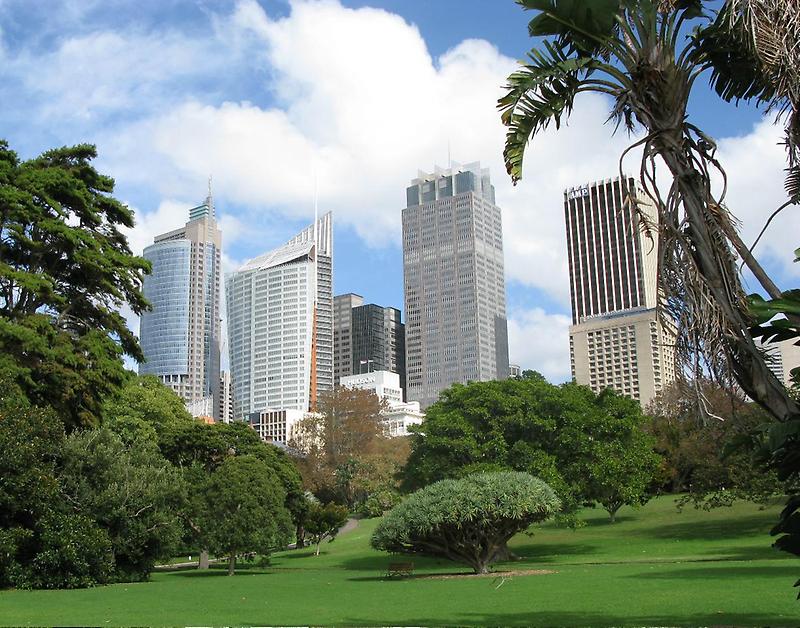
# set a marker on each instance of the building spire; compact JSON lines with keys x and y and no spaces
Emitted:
{"x":210,"y":199}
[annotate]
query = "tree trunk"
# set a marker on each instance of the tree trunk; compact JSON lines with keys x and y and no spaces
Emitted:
{"x":202,"y":562}
{"x":318,"y":544}
{"x":748,"y":365}
{"x":300,"y":535}
{"x":232,"y":564}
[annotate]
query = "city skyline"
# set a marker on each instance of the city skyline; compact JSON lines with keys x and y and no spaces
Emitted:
{"x":269,"y":96}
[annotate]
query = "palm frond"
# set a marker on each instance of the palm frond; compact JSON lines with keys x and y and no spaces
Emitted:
{"x":541,"y":93}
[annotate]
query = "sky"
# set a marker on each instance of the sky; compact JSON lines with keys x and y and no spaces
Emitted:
{"x":269,"y":96}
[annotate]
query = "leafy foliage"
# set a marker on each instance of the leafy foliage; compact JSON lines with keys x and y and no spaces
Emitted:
{"x":243,"y":509}
{"x":469,"y":520}
{"x":132,"y":493}
{"x":323,"y":522}
{"x":565,"y":435}
{"x":65,"y":272}
{"x":346,"y":454}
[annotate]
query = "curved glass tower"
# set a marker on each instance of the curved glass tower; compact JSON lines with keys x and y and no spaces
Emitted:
{"x":180,"y":336}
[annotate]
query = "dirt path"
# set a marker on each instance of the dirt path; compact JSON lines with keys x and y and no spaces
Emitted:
{"x":351,"y":524}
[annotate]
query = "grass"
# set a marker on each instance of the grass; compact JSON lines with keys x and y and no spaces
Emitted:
{"x":656,"y":566}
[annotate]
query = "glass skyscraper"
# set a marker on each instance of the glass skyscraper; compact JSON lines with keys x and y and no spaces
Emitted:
{"x":180,"y":335}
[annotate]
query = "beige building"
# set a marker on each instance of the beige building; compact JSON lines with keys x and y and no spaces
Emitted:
{"x":629,"y":351}
{"x":785,"y":356}
{"x":616,"y":338}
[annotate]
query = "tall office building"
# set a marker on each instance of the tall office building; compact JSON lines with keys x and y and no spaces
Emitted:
{"x":454,"y":285}
{"x":367,"y":338}
{"x":180,"y":336}
{"x":617,"y":338}
{"x":280,"y":325}
{"x":343,"y":305}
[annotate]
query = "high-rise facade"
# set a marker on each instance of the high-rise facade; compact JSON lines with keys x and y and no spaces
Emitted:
{"x":454,"y":284}
{"x":280,"y":325}
{"x":180,"y":335}
{"x":367,"y":338}
{"x":343,"y":305}
{"x":617,"y":337}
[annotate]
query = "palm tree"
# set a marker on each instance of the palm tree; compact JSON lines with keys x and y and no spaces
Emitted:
{"x":638,"y":53}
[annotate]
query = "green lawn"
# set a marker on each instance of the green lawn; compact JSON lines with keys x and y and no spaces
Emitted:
{"x":654,"y":567}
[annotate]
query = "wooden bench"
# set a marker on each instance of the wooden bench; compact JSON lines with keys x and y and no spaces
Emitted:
{"x":400,"y":570}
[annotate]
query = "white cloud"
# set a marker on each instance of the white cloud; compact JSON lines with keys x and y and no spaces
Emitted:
{"x":540,"y":341}
{"x":755,"y":166}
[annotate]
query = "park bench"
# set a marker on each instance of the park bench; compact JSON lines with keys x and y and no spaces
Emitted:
{"x":400,"y":570}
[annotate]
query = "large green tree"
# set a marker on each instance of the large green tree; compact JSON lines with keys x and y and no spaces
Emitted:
{"x":132,"y":493}
{"x":565,"y":435}
{"x":244,"y":509}
{"x":65,"y":273}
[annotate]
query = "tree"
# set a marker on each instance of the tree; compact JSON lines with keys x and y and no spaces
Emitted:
{"x":561,"y":434}
{"x":469,"y":520}
{"x":243,"y":509}
{"x":42,"y":543}
{"x":323,"y":522}
{"x":346,"y":454}
{"x":65,"y":272}
{"x":132,"y":493}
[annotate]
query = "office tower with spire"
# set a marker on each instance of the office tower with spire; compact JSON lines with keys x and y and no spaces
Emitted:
{"x":280,"y":325}
{"x":617,"y":338}
{"x":180,"y":335}
{"x":454,"y":283}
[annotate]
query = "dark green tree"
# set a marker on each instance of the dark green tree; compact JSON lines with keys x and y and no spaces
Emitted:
{"x":243,"y":509}
{"x":561,"y":434}
{"x":65,"y":272}
{"x":324,"y":522}
{"x":130,"y":491}
{"x":43,"y":544}
{"x":469,"y":520}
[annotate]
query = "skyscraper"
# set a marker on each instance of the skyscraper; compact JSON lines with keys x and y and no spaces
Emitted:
{"x":454,"y":284}
{"x":343,"y":305}
{"x":617,"y":338}
{"x":180,"y":336}
{"x":280,"y":324}
{"x":367,"y":338}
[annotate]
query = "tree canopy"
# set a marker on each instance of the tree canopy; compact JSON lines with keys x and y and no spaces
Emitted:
{"x":468,"y":520}
{"x":565,"y":435}
{"x":65,"y":272}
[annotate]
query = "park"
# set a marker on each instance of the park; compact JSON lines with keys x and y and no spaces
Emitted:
{"x":655,"y":566}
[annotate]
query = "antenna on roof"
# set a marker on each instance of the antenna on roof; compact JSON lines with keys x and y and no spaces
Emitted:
{"x":210,"y":199}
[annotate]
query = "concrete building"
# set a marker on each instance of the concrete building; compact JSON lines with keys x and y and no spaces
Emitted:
{"x":514,"y":370}
{"x":398,"y":416}
{"x":784,"y":356}
{"x":454,"y":283}
{"x":367,"y":338}
{"x":343,"y":305}
{"x":617,"y":338}
{"x":225,"y":412}
{"x":180,"y":336}
{"x":280,"y":325}
{"x":276,"y":426}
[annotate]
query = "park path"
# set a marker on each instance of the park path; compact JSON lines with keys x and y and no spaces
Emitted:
{"x":351,"y":524}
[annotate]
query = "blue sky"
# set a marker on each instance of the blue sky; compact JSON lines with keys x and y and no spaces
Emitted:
{"x":267,"y":96}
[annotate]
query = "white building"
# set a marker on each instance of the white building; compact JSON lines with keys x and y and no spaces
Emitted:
{"x":276,"y":426}
{"x":398,"y":416}
{"x":783,"y":357}
{"x":280,"y":325}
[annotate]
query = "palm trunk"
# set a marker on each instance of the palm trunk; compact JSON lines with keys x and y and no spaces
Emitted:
{"x":748,"y":365}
